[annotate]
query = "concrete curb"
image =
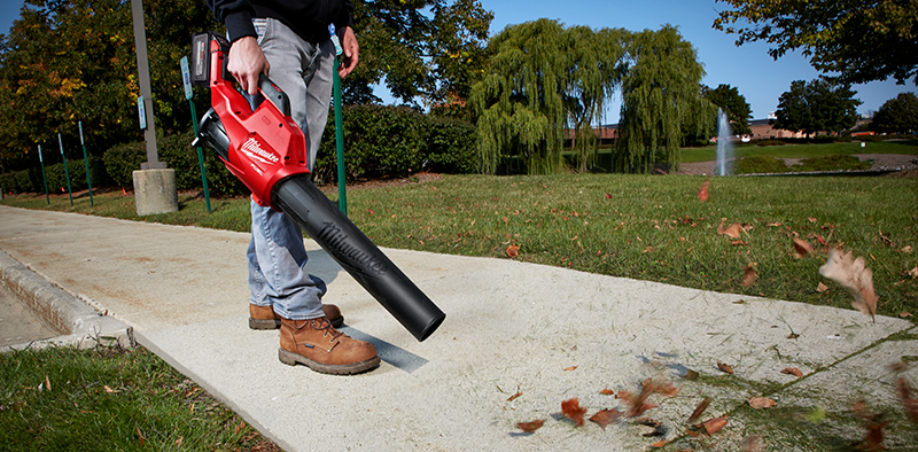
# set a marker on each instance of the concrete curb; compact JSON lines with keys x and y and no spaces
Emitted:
{"x":78,"y":322}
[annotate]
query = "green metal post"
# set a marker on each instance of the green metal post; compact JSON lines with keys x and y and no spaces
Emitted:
{"x":189,"y":95}
{"x":86,"y":162}
{"x":66,"y":172}
{"x":339,"y":141}
{"x":194,"y":117}
{"x":43,"y":178}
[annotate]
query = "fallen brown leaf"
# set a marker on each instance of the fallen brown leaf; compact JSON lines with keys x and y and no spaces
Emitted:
{"x":606,"y":417}
{"x":532,"y":426}
{"x":724,"y":367}
{"x":513,"y":251}
{"x":750,"y":275}
{"x":733,"y":231}
{"x":703,"y":191}
{"x":854,"y":276}
{"x":571,"y":409}
{"x":699,"y":410}
{"x":761,"y":402}
{"x":637,"y":405}
{"x":659,"y":444}
{"x":873,"y":442}
{"x":792,"y":371}
{"x":905,"y":314}
{"x":907,"y":249}
{"x":913,"y":273}
{"x":802,"y":247}
{"x":607,"y":392}
{"x":514,"y":396}
{"x":910,"y":403}
{"x":713,"y":426}
{"x":752,"y":444}
{"x":821,"y":288}
{"x":665,"y":388}
{"x":568,"y":369}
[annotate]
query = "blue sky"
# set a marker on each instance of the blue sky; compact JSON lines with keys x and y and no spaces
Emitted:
{"x":748,"y":68}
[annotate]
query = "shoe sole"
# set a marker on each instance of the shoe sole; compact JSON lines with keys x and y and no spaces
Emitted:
{"x":271,"y":324}
{"x":292,"y":359}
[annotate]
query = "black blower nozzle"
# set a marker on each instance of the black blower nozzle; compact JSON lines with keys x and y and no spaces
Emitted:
{"x":303,"y":202}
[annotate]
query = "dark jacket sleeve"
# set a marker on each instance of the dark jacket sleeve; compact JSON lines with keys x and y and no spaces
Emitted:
{"x":236,"y":15}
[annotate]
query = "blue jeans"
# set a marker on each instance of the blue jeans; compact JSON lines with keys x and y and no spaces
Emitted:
{"x":276,"y":255}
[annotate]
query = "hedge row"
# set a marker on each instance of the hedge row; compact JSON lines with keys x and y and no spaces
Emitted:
{"x":379,"y":141}
{"x":30,"y":180}
{"x":382,"y":141}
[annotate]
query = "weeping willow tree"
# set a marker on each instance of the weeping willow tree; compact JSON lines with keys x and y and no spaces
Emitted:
{"x":661,"y":99}
{"x":541,"y":78}
{"x":595,"y":69}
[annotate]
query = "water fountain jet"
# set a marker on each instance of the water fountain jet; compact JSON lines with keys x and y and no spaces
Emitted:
{"x":724,"y":147}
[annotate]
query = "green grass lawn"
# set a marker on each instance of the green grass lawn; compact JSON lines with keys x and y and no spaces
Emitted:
{"x":111,"y":399}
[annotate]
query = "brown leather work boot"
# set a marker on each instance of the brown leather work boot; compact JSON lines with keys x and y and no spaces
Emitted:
{"x":264,"y":317}
{"x":322,"y":348}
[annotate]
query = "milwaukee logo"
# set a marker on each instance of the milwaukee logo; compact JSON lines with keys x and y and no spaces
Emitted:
{"x":349,"y":252}
{"x":252,"y":149}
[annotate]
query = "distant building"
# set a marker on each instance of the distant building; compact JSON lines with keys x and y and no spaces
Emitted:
{"x":762,"y":129}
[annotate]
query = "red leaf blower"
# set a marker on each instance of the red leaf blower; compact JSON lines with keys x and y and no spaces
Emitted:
{"x":262,"y":146}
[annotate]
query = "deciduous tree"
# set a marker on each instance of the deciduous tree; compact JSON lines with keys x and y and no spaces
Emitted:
{"x":422,"y":50}
{"x":66,"y":61}
{"x":822,"y":105}
{"x":863,"y":40}
{"x":897,"y":115}
{"x":734,"y":105}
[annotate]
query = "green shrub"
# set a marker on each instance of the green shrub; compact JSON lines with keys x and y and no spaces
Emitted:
{"x":30,"y":180}
{"x":178,"y":154}
{"x":871,"y":138}
{"x":121,"y":161}
{"x":19,"y":182}
{"x":832,"y":163}
{"x":759,"y":164}
{"x":76,"y":170}
{"x":769,"y":143}
{"x":451,"y":146}
{"x":385,"y":141}
{"x":382,"y":141}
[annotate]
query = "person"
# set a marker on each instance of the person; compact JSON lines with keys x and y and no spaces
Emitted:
{"x":290,"y":41}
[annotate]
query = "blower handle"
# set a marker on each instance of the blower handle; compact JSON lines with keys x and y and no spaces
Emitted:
{"x":201,"y":72}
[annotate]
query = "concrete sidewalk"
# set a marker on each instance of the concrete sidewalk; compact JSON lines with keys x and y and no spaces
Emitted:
{"x":510,"y":327}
